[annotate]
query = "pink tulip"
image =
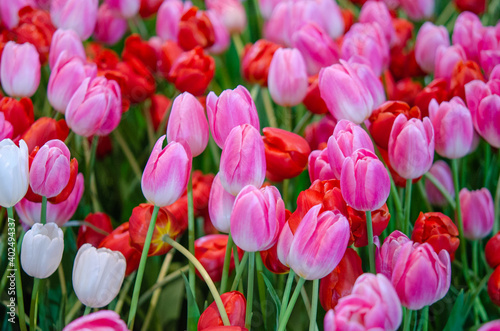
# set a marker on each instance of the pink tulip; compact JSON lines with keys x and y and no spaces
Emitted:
{"x":231,"y":12}
{"x":490,"y":326}
{"x":222,"y":37}
{"x":20,"y":69}
{"x":483,"y":100}
{"x":418,"y":9}
{"x":6,"y":129}
{"x":76,"y":15}
{"x":243,"y":160}
{"x":50,"y":171}
{"x":66,"y":77}
{"x":446,"y":59}
{"x":346,"y":139}
{"x":67,"y":41}
{"x":101,"y":320}
{"x":368,"y":41}
{"x":319,"y":166}
{"x":489,"y":59}
{"x":267,"y":7}
{"x":472,"y":36}
{"x":372,"y":305}
{"x":364,"y":181}
{"x":9,"y":11}
{"x":166,"y":174}
{"x":230,"y":109}
{"x":318,"y":244}
{"x":377,"y":12}
{"x":429,"y":38}
{"x":168,"y":18}
{"x":453,"y":129}
{"x":110,"y":27}
{"x":95,"y":108}
{"x":290,"y":89}
{"x":126,"y":8}
{"x":389,"y":252}
{"x":29,"y":212}
{"x":442,"y":172}
{"x":257,"y":218}
{"x":220,"y":206}
{"x":351,"y":91}
{"x":478,"y":213}
{"x":187,"y":122}
{"x":411,"y":146}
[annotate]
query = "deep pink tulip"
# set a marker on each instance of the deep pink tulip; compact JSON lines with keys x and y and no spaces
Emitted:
{"x":257,"y":218}
{"x":372,"y":305}
{"x":346,"y":139}
{"x":489,"y":59}
{"x":389,"y":252}
{"x":411,"y":146}
{"x":368,"y":41}
{"x":231,"y":12}
{"x":9,"y":11}
{"x":491,"y":326}
{"x":95,"y":108}
{"x":230,"y":109}
{"x":6,"y":129}
{"x":377,"y":12}
{"x":187,"y":122}
{"x":222,"y":36}
{"x":20,"y":69}
{"x":289,"y":89}
{"x":220,"y":206}
{"x":29,"y":212}
{"x":126,"y":8}
{"x":67,"y":41}
{"x":316,"y":47}
{"x":318,"y":245}
{"x":483,"y":100}
{"x":110,"y":27}
{"x":418,"y":9}
{"x":364,"y":181}
{"x":429,"y":38}
{"x":319,"y":166}
{"x":243,"y":160}
{"x":478,"y":213}
{"x":168,"y":18}
{"x":446,"y":59}
{"x":351,"y":91}
{"x":101,"y":320}
{"x":453,"y":129}
{"x":76,"y":15}
{"x":66,"y":77}
{"x":442,"y":172}
{"x":166,"y":174}
{"x":471,"y":35}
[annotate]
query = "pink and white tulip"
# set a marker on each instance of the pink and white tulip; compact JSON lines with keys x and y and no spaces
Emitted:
{"x":220,"y":206}
{"x":377,"y":12}
{"x":446,"y":59}
{"x":222,"y":36}
{"x":20,"y":69}
{"x":14,"y":172}
{"x":418,"y":9}
{"x":76,"y":15}
{"x":110,"y":27}
{"x":231,"y":12}
{"x":319,"y":166}
{"x":429,"y":38}
{"x":478,"y":213}
{"x":9,"y":11}
{"x":469,"y":33}
{"x":126,"y":8}
{"x":65,"y":41}
{"x":168,"y":18}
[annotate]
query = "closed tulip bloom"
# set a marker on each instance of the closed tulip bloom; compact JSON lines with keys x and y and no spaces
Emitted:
{"x":468,"y":32}
{"x":256,"y":60}
{"x":418,"y":9}
{"x":65,"y":41}
{"x":494,"y":287}
{"x":243,"y":159}
{"x":446,"y":59}
{"x":76,"y":15}
{"x":19,"y":113}
{"x":442,"y":172}
{"x":463,"y":73}
{"x":192,"y":71}
{"x":167,"y":173}
{"x":195,"y":29}
{"x":493,"y":325}
{"x":42,"y":250}
{"x":411,"y":146}
{"x":491,"y":251}
{"x":20,"y":69}
{"x":187,"y":122}
{"x":9,"y":11}
{"x":235,"y":306}
{"x":6,"y":129}
{"x":429,"y":38}
{"x":478,"y":213}
{"x":389,"y":251}
{"x":346,"y":139}
{"x":287,"y":89}
{"x":168,"y":18}
{"x":377,"y":12}
{"x":110,"y":27}
{"x":437,"y":89}
{"x":97,"y":275}
{"x":220,"y":206}
{"x":14,"y":172}
{"x":232,"y":13}
{"x":99,"y":319}
{"x":221,"y":34}
{"x":126,"y":8}
{"x":319,"y":166}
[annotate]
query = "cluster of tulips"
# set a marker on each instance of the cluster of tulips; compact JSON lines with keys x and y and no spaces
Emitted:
{"x":293,"y":155}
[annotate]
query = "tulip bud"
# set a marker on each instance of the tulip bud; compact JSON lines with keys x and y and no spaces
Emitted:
{"x":76,"y":15}
{"x":97,"y":275}
{"x":491,"y":251}
{"x":220,"y":206}
{"x":429,"y":38}
{"x":318,"y":133}
{"x":494,"y":287}
{"x":42,"y":250}
{"x":478,"y":213}
{"x":256,"y":60}
{"x":289,"y":89}
{"x":446,"y":59}
{"x":119,"y":240}
{"x":195,"y":30}
{"x":442,"y":172}
{"x":192,"y":71}
{"x":438,"y":230}
{"x":235,"y":306}
{"x":437,"y":89}
{"x":110,"y":27}
{"x":468,"y":33}
{"x":126,"y":8}
{"x":377,"y":12}
{"x":319,"y":166}
{"x":20,"y":69}
{"x":418,"y":9}
{"x":232,"y":13}
{"x":65,"y":41}
{"x":14,"y":172}
{"x":87,"y":234}
{"x":99,"y":319}
{"x":167,"y":173}
{"x":168,"y":18}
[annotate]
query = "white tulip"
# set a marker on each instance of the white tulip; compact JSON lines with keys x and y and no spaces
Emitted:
{"x":14,"y":172}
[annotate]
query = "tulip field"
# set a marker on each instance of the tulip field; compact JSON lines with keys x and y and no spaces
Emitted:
{"x":240,"y":165}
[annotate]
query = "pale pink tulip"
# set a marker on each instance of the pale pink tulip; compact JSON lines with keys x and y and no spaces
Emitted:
{"x":377,"y":12}
{"x":65,"y":41}
{"x":110,"y":27}
{"x":6,"y":129}
{"x":20,"y":69}
{"x":9,"y":11}
{"x":446,"y":59}
{"x":418,"y":9}
{"x":126,"y":8}
{"x":76,"y":15}
{"x":442,"y":172}
{"x":478,"y":213}
{"x":220,"y":206}
{"x":429,"y":38}
{"x":168,"y":18}
{"x":222,"y":36}
{"x":231,"y":12}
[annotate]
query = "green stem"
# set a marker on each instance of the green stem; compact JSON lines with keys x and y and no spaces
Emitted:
{"x":441,"y":189}
{"x":251,"y":271}
{"x":446,"y":14}
{"x":261,"y":285}
{"x":140,"y":271}
{"x":286,"y":294}
{"x":287,"y":114}
{"x":406,"y":225}
{"x":131,"y":158}
{"x":227,"y":262}
{"x":496,"y":224}
{"x":458,"y":210}
{"x":239,"y":271}
{"x":425,"y":318}
{"x":423,"y":194}
{"x":191,"y":234}
{"x":204,"y":275}
{"x":286,"y":185}
{"x":407,"y":321}
{"x":215,"y":151}
{"x":34,"y":303}
{"x":314,"y":305}
{"x":170,"y":277}
{"x":283,"y":321}
{"x":238,"y":43}
{"x":93,"y":150}
{"x":255,"y":91}
{"x":475,"y":254}
{"x":124,"y":292}
{"x":43,"y":216}
{"x":302,"y":122}
{"x":369,"y":233}
{"x":87,"y":310}
{"x":268,"y":107}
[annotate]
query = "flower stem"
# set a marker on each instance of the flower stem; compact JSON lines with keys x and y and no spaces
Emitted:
{"x":314,"y":305}
{"x":406,"y":225}
{"x":238,"y":43}
{"x":251,"y":271}
{"x":286,"y":293}
{"x":140,"y":271}
{"x":421,"y":189}
{"x":441,"y":189}
{"x":128,"y":154}
{"x":425,"y":318}
{"x":87,"y":310}
{"x":191,"y":234}
{"x":496,"y":224}
{"x":259,"y":265}
{"x":369,"y":233}
{"x":43,"y":216}
{"x":268,"y":107}
{"x":34,"y":303}
{"x":227,"y":262}
{"x":458,"y":211}
{"x":283,"y":321}
{"x":239,"y":272}
{"x":204,"y":275}
{"x":407,"y":321}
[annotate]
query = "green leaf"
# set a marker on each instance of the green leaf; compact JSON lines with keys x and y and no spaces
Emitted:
{"x":274,"y":296}
{"x":193,"y":310}
{"x":458,"y":315}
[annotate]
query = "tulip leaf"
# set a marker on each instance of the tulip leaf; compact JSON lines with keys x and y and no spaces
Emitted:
{"x":193,"y":310}
{"x":274,"y":296}
{"x":457,"y":315}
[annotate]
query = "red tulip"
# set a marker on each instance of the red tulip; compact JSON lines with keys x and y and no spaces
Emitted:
{"x":463,"y":73}
{"x":317,"y":133}
{"x":87,"y":235}
{"x":256,"y":61}
{"x":491,"y":251}
{"x":139,"y":81}
{"x":437,"y":89}
{"x":141,"y":50}
{"x":405,"y":90}
{"x":19,"y":113}
{"x":119,"y":240}
{"x":494,"y":287}
{"x":192,"y":71}
{"x":476,"y":6}
{"x":43,"y":130}
{"x":270,"y":256}
{"x":195,"y":29}
{"x":313,"y":101}
{"x":169,"y":52}
{"x":149,"y":7}
{"x":159,"y":109}
{"x":235,"y":306}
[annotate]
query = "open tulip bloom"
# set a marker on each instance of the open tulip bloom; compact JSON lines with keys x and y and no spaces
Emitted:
{"x":250,"y":165}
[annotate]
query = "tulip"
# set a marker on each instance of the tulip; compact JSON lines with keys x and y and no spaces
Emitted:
{"x":119,"y":240}
{"x":159,"y":109}
{"x":99,"y":319}
{"x":270,"y":256}
{"x":65,"y":41}
{"x":6,"y":129}
{"x":377,"y":12}
{"x":142,"y":51}
{"x":446,"y":59}
{"x":220,"y":206}
{"x":437,"y":89}
{"x":235,"y":306}
{"x":42,"y":250}
{"x":493,"y":325}
{"x":257,"y":218}
{"x":87,"y":234}
{"x":192,"y":72}
{"x":126,"y":8}
{"x":267,"y":6}
{"x":319,"y":166}
{"x":19,"y":113}
{"x":256,"y":60}
{"x":442,"y":172}
{"x":221,"y":35}
{"x":14,"y":172}
{"x":76,"y":15}
{"x":318,"y":133}
{"x":313,"y":101}
{"x":491,"y":251}
{"x":286,"y":154}
{"x":372,"y":305}
{"x":389,"y":252}
{"x":463,"y":73}
{"x":195,"y":30}
{"x":478,"y":213}
{"x":20,"y":69}
{"x":232,"y":13}
{"x":489,"y":60}
{"x":97,"y":275}
{"x":430,"y":37}
{"x":468,"y":32}
{"x":168,"y":53}
{"x":340,"y":281}
{"x":168,"y":18}
{"x":149,"y":7}
{"x":405,"y":90}
{"x":9,"y":11}
{"x":95,"y":107}
{"x":167,"y":173}
{"x":418,"y":10}
{"x":411,"y":146}
{"x":357,"y":221}
{"x":494,"y":287}
{"x":110,"y":27}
